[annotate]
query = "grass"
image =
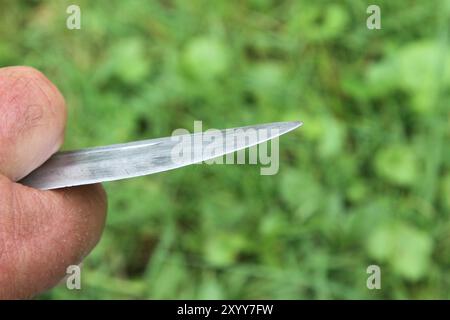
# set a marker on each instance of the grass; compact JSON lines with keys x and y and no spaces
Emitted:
{"x":365,"y":181}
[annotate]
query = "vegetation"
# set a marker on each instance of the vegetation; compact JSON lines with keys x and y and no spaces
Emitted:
{"x":365,"y":181}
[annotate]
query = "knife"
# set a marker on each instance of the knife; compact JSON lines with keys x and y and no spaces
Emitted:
{"x":138,"y":158}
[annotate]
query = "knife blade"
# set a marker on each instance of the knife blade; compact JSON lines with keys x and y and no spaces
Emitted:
{"x":133,"y":159}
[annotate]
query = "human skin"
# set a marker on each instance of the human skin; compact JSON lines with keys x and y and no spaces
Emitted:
{"x":41,"y":232}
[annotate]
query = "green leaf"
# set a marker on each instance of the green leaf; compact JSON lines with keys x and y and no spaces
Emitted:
{"x":206,"y":58}
{"x":406,"y":249}
{"x":222,"y":249}
{"x":128,"y":61}
{"x":398,"y":164}
{"x":418,"y":68}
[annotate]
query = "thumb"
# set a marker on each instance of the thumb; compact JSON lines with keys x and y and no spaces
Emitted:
{"x":41,"y":232}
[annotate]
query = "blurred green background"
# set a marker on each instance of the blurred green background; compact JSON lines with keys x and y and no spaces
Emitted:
{"x":365,"y":181}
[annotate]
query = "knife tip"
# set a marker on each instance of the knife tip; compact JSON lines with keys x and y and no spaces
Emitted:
{"x":291,"y":125}
{"x":296,"y":124}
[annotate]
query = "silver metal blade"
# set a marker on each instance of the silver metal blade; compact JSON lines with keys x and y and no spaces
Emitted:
{"x":121,"y":161}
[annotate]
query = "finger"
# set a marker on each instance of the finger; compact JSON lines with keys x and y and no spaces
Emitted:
{"x":41,"y":232}
{"x":32,"y":120}
{"x":44,"y":232}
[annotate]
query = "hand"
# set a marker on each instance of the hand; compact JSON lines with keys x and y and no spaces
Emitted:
{"x":41,"y":232}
